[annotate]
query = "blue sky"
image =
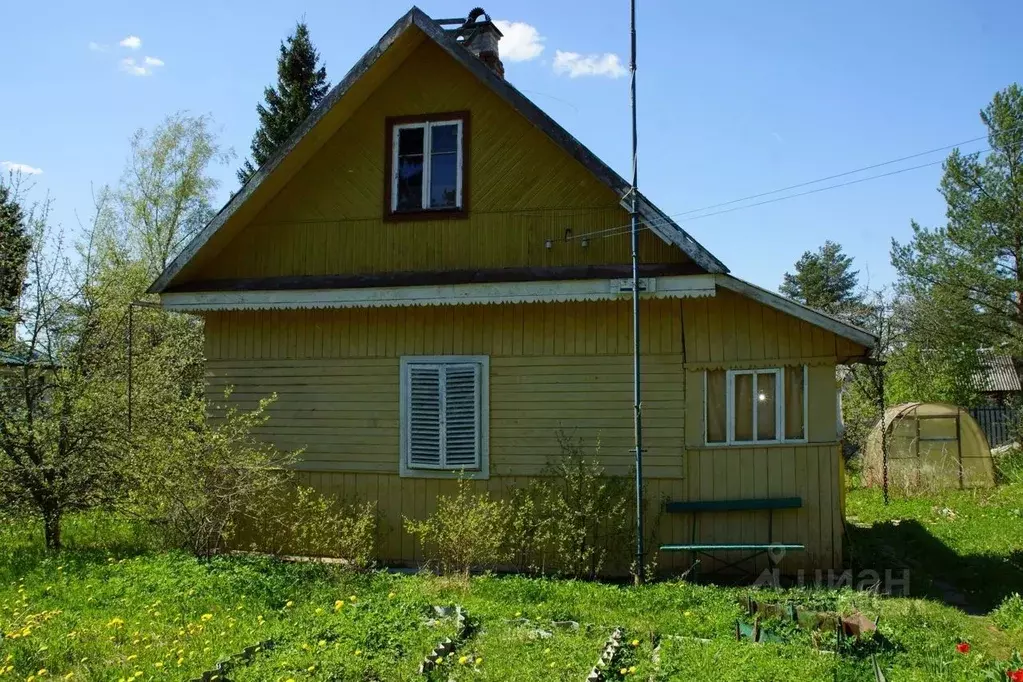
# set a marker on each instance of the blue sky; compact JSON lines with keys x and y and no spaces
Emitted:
{"x":736,"y":98}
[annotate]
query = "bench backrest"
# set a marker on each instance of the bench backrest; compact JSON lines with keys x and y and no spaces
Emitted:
{"x":734,"y":505}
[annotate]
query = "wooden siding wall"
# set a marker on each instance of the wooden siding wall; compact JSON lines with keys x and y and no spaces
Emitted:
{"x":522,"y":190}
{"x":553,"y":366}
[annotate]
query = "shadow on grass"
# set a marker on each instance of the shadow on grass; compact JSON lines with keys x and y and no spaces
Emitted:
{"x":976,"y":583}
{"x":89,"y":538}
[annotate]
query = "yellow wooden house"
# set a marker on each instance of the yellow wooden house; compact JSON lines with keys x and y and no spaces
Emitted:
{"x":434,"y":276}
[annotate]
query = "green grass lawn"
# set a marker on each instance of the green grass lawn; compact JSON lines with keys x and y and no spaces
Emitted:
{"x":113,"y":606}
{"x":970,"y":541}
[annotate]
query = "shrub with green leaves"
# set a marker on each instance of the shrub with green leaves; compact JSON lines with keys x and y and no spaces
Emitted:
{"x":467,"y":531}
{"x":302,"y":521}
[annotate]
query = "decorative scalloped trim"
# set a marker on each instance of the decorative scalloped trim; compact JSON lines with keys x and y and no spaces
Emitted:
{"x":766,"y":363}
{"x":682,"y":286}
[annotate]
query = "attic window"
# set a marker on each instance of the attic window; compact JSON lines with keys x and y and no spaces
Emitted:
{"x":426,"y":165}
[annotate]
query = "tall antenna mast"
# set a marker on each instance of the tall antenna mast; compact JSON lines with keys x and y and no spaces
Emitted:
{"x":637,"y":406}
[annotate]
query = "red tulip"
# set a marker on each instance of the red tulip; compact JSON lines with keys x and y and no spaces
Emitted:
{"x":963,"y":648}
{"x":1014,"y":675}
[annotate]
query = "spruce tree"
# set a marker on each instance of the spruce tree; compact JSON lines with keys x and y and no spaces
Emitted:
{"x":824,"y":280}
{"x":14,"y":249}
{"x":301,"y":84}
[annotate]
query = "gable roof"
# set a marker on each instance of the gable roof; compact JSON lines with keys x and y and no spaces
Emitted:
{"x":652,"y":217}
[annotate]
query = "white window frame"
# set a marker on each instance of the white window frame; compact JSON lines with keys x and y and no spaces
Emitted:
{"x":427,"y":127}
{"x":779,"y":401}
{"x":406,"y":468}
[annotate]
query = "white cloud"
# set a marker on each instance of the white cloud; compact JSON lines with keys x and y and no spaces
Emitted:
{"x":131,"y":42}
{"x":20,"y":168}
{"x":96,"y":47}
{"x":153,"y":61}
{"x":129,"y":66}
{"x":575,"y":64}
{"x":521,"y":42}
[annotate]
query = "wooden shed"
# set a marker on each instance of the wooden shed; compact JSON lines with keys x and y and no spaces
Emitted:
{"x":433,"y":276}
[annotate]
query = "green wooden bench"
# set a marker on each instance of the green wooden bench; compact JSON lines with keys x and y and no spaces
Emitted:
{"x":749,"y":551}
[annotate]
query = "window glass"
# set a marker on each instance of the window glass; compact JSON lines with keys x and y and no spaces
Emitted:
{"x":743,"y":407}
{"x":444,"y":180}
{"x":767,"y":406}
{"x":410,"y":169}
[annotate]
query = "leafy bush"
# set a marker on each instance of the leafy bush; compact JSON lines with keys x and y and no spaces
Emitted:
{"x":467,"y":531}
{"x":570,"y":521}
{"x":305,"y":522}
{"x":199,"y":478}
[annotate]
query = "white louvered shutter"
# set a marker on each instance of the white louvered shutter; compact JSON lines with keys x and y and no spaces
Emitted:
{"x":462,"y":416}
{"x":425,"y":416}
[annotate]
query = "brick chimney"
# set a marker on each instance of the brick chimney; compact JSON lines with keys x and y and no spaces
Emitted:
{"x":479,"y":35}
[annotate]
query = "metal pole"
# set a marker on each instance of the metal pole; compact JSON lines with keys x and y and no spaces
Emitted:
{"x":131,"y":337}
{"x":884,"y":433}
{"x":637,"y":407}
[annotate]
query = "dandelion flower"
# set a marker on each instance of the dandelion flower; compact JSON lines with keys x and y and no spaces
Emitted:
{"x":518,"y":614}
{"x":353,"y":598}
{"x":463,"y":660}
{"x":206,"y":617}
{"x":440,"y":659}
{"x":479,"y":660}
{"x":158,"y":664}
{"x":391,"y":595}
{"x":43,"y":672}
{"x":338,"y":604}
{"x":322,"y":642}
{"x":358,"y":652}
{"x":632,"y":670}
{"x":635,"y":642}
{"x":624,"y":671}
{"x":289,"y":604}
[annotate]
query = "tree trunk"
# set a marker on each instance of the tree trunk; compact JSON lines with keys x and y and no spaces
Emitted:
{"x":51,"y":528}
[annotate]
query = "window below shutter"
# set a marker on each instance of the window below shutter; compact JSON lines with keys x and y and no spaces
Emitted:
{"x":424,"y":415}
{"x":461,"y":416}
{"x":443,"y":420}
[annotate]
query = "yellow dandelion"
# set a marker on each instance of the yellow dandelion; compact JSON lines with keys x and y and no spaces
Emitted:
{"x":353,"y":598}
{"x":391,"y":595}
{"x":289,"y":604}
{"x":358,"y":652}
{"x":338,"y":604}
{"x":158,"y":664}
{"x":479,"y":660}
{"x":440,"y":659}
{"x":635,"y":642}
{"x":463,"y":660}
{"x":624,"y":671}
{"x":206,"y":617}
{"x":632,"y":670}
{"x":43,"y":672}
{"x":518,"y":614}
{"x":322,"y":642}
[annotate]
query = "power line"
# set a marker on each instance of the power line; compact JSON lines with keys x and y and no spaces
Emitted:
{"x":622,"y":229}
{"x":841,"y":175}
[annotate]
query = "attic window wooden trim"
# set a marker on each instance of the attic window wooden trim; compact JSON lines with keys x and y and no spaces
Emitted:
{"x":462,"y":210}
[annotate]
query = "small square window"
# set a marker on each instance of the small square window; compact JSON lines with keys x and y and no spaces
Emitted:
{"x":426,"y":165}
